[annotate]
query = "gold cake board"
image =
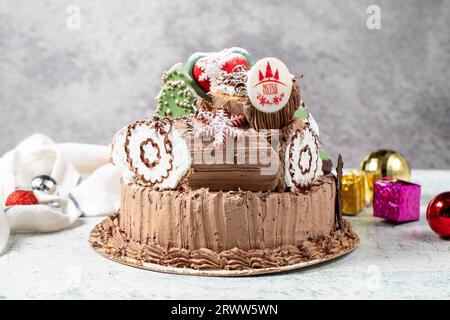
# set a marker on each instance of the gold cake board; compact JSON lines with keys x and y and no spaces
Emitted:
{"x":217,"y":273}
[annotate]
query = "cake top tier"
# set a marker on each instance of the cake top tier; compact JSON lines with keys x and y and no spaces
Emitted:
{"x":211,"y":129}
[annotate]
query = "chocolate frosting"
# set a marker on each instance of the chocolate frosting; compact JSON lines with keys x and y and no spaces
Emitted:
{"x":195,"y":219}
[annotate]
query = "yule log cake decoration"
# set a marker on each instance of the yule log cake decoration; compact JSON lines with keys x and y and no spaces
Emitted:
{"x":206,"y":187}
{"x":213,"y":150}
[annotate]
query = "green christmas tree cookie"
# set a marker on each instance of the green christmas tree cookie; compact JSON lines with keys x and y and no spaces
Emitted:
{"x":176,"y":98}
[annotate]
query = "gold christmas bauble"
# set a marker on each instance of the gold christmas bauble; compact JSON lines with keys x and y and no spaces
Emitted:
{"x":383,"y":163}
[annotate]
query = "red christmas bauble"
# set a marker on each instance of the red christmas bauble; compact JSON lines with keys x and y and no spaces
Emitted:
{"x":21,"y":197}
{"x":438,"y":214}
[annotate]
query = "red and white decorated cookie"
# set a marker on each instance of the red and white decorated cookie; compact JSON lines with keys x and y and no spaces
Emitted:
{"x":205,"y":68}
{"x":208,"y":68}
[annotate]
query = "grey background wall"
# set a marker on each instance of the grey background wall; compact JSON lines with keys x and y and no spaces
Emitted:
{"x":366,"y":88}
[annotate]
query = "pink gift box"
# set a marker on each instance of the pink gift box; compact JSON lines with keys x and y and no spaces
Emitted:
{"x":396,"y":200}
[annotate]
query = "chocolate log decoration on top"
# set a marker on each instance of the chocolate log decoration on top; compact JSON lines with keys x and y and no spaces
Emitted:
{"x":298,"y":164}
{"x":279,"y":119}
{"x":230,"y":158}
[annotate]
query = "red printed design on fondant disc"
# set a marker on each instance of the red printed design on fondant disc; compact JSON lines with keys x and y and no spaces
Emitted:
{"x":269,"y":85}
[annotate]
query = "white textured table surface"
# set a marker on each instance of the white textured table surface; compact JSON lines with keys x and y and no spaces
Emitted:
{"x":393,"y":261}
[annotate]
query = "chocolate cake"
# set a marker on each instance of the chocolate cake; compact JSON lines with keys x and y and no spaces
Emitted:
{"x":225,"y":176}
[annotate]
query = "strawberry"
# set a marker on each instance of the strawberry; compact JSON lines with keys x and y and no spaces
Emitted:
{"x":21,"y":197}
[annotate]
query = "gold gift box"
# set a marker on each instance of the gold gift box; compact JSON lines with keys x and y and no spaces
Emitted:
{"x":353,"y":193}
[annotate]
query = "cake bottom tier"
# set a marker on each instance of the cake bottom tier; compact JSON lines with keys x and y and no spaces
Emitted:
{"x":108,"y":238}
{"x":205,"y":230}
{"x":220,"y":221}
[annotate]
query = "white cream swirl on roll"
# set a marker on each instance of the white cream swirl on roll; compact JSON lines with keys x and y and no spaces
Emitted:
{"x":151,"y":153}
{"x":302,"y":161}
{"x":313,"y":124}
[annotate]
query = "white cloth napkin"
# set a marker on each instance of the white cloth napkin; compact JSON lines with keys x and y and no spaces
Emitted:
{"x":87,"y":185}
